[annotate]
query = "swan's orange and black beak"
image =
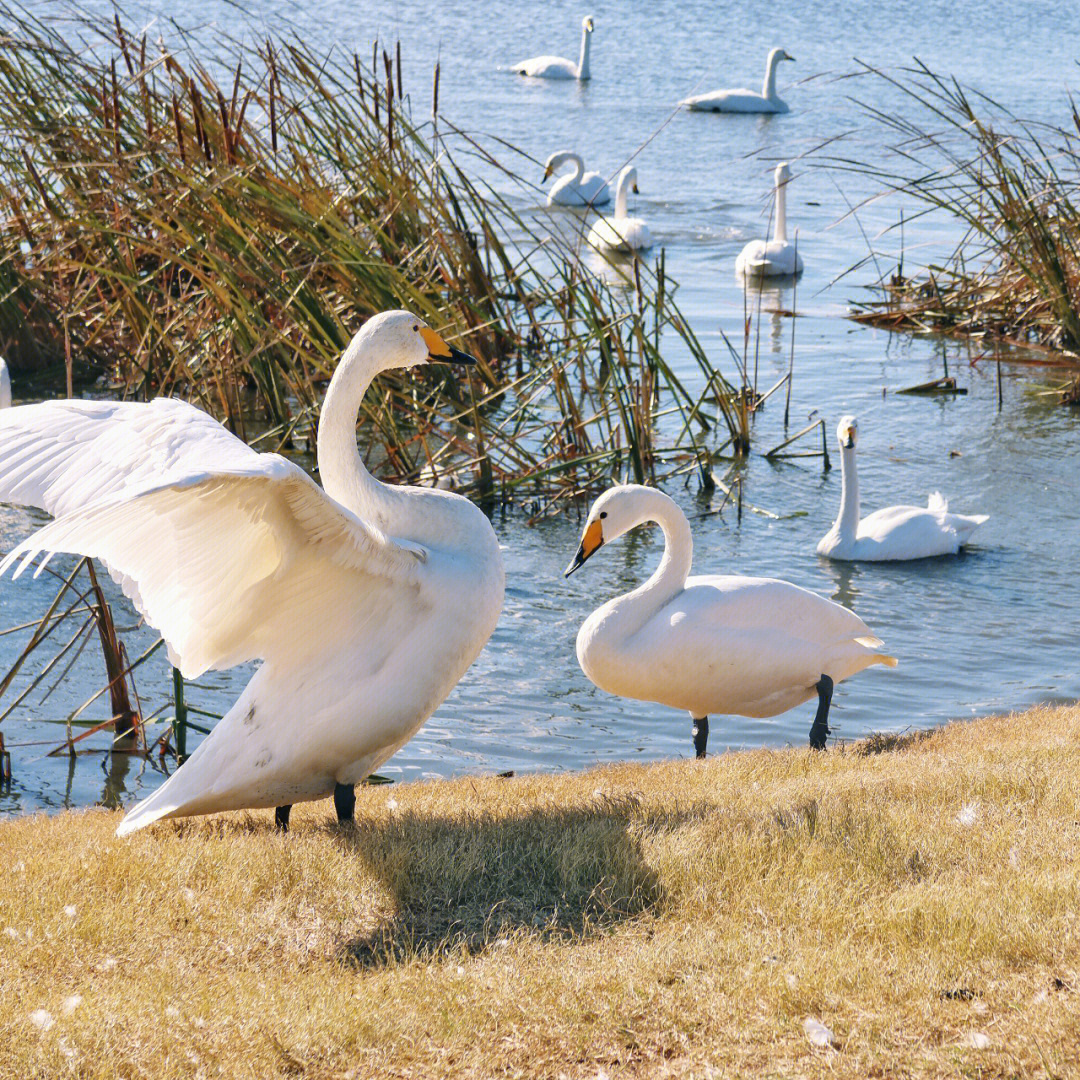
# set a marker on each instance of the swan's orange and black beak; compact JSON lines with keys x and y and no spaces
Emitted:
{"x":547,"y":175}
{"x":590,"y":542}
{"x":441,"y":353}
{"x":848,"y":440}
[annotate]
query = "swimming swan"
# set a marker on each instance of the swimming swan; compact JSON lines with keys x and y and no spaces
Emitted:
{"x":743,"y":645}
{"x":366,"y":603}
{"x":579,"y":188}
{"x":5,"y":385}
{"x":621,"y":233}
{"x":555,"y":67}
{"x":744,"y":101}
{"x":896,"y":532}
{"x":777,"y":257}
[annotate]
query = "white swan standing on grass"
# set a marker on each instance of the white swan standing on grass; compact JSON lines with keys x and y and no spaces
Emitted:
{"x":777,"y":257}
{"x":5,"y":385}
{"x":555,"y":67}
{"x":578,"y":188}
{"x":742,"y":645}
{"x":620,"y":232}
{"x":365,"y":602}
{"x":745,"y":101}
{"x":896,"y":532}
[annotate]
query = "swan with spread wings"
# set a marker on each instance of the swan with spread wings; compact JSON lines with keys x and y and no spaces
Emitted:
{"x":365,"y":603}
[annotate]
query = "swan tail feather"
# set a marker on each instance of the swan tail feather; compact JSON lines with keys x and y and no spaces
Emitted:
{"x":870,"y":641}
{"x":937,"y":501}
{"x":146,"y":813}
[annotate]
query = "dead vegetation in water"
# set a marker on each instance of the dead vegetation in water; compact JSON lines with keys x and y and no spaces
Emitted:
{"x":681,"y":919}
{"x":217,"y":228}
{"x":1015,"y":277}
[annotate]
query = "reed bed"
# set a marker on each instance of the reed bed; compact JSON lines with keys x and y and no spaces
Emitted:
{"x":1015,"y":276}
{"x":218,"y":227}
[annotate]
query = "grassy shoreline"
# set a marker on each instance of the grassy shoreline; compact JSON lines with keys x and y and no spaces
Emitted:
{"x":674,"y":919}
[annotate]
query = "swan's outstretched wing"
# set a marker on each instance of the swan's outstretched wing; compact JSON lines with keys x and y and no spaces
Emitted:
{"x":196,"y":527}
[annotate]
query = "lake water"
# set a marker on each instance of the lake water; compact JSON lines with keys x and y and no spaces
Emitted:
{"x":993,"y":629}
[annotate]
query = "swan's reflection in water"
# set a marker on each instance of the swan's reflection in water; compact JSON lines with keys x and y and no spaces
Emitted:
{"x":773,"y":298}
{"x":845,"y":577}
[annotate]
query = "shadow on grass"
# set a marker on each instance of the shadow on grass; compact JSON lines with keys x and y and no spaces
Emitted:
{"x":464,"y":883}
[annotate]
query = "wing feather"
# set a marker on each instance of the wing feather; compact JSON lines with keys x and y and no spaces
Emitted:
{"x":195,"y":526}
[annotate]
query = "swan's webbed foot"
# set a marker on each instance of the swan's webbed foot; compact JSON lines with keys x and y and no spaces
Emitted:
{"x":344,"y":801}
{"x":820,"y":727}
{"x":700,"y":731}
{"x":281,"y":817}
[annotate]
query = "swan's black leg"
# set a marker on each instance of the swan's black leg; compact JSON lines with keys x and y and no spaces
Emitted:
{"x":820,"y":727}
{"x":344,"y":801}
{"x":281,"y":817}
{"x":700,"y":732}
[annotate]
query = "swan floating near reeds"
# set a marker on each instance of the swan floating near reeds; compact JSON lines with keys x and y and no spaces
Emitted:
{"x":896,"y":532}
{"x":578,"y":188}
{"x":707,"y":645}
{"x":5,"y":385}
{"x":555,"y":67}
{"x":778,"y":257}
{"x":745,"y":101}
{"x":365,"y":603}
{"x":621,"y":232}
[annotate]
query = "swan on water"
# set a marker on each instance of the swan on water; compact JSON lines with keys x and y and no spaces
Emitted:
{"x":5,"y":385}
{"x":366,"y":603}
{"x":620,"y":232}
{"x":578,"y":188}
{"x":555,"y":67}
{"x":896,"y":532}
{"x":745,"y":101}
{"x":711,"y":644}
{"x":777,"y":257}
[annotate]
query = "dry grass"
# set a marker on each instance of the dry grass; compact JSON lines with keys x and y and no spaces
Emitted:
{"x":679,"y":919}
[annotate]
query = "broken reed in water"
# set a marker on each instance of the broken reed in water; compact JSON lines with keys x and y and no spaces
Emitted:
{"x":218,"y":227}
{"x":1016,"y":275}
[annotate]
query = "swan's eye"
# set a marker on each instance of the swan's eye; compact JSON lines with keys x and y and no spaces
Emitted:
{"x":603,"y":513}
{"x":416,"y":329}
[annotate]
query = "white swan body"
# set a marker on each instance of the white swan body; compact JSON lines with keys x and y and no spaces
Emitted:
{"x":555,"y":67}
{"x":621,"y":232}
{"x":578,"y":188}
{"x":777,"y":257}
{"x":896,"y":532}
{"x":5,"y":385}
{"x":745,"y":101}
{"x":715,"y":644}
{"x":366,"y":603}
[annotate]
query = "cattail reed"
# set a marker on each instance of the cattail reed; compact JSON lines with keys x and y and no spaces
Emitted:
{"x":249,"y":261}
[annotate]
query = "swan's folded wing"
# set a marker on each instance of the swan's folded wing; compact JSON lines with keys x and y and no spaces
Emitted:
{"x":206,"y":559}
{"x":742,"y":603}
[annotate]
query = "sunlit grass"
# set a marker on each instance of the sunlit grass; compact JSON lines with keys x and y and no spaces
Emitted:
{"x":677,"y":919}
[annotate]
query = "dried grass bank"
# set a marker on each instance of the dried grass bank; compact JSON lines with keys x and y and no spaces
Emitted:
{"x":920,"y":897}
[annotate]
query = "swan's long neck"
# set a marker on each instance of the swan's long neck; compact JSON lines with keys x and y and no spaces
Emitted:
{"x":579,"y":166}
{"x":341,"y":469}
{"x":622,"y":191}
{"x":780,"y":232}
{"x":847,"y":521}
{"x":583,"y":58}
{"x":669,"y":577}
{"x":768,"y":90}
